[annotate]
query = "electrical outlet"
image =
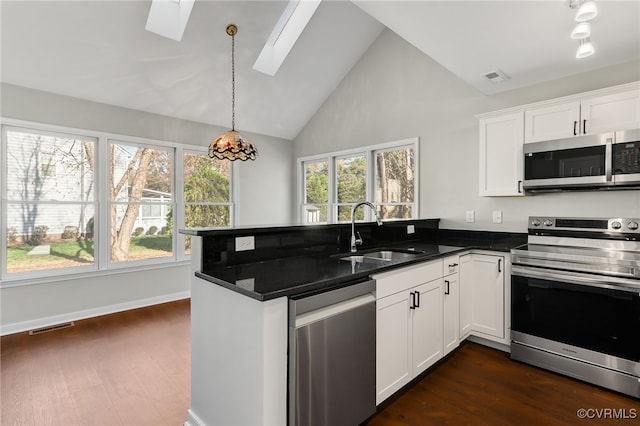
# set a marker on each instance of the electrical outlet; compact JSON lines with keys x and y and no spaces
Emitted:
{"x":411,"y":229}
{"x":497,"y":216}
{"x":471,"y":216}
{"x":245,"y":243}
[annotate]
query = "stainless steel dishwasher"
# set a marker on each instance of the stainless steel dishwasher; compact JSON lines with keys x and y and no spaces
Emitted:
{"x":332,"y":357}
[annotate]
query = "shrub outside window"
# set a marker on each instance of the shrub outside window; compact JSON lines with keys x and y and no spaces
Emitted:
{"x":207,"y":193}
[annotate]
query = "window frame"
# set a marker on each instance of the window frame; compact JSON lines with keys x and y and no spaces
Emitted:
{"x":369,"y":152}
{"x":303,"y":200}
{"x":102,"y":259}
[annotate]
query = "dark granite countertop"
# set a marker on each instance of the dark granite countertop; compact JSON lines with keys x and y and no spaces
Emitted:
{"x":297,"y":275}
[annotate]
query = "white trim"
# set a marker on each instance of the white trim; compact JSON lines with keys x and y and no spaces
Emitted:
{"x":90,"y":313}
{"x":102,"y":261}
{"x":369,"y":153}
{"x":576,"y":97}
{"x":193,"y":419}
{"x":47,"y":276}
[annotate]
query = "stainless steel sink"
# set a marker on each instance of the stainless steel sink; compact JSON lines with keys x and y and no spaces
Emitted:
{"x":364,"y":259}
{"x":381,"y":256}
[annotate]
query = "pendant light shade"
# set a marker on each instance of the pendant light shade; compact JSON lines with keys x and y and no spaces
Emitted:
{"x":587,"y":11}
{"x":231,"y":145}
{"x":585,"y":49}
{"x":582,"y":30}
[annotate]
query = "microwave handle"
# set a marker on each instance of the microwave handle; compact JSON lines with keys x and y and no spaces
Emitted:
{"x":608,"y":162}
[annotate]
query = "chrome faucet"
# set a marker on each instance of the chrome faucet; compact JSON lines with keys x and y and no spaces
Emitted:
{"x":357,"y":241}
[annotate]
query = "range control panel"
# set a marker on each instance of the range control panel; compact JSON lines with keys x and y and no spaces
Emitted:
{"x":616,"y":225}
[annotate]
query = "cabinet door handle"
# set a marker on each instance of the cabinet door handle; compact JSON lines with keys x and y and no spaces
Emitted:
{"x":417,"y":299}
{"x":453,"y":265}
{"x":519,"y":187}
{"x":499,"y":265}
{"x":446,"y":291}
{"x":413,"y":300}
{"x":575,"y":123}
{"x":584,"y":127}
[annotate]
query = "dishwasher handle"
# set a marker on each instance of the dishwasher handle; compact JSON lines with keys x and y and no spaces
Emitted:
{"x":333,"y":310}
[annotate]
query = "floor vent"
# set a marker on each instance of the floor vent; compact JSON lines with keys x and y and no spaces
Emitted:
{"x":51,"y":328}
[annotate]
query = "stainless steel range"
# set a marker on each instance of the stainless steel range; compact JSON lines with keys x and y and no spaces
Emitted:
{"x":575,"y":300}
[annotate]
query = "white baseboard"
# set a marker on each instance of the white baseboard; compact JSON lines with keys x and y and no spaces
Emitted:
{"x":19,"y":327}
{"x":193,"y":419}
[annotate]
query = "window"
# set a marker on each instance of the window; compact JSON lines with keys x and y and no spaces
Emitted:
{"x":141,"y":180}
{"x":50,"y":200}
{"x":386,"y":175}
{"x":351,"y":185}
{"x":395,"y":182}
{"x":316,"y":191}
{"x":81,"y":201}
{"x":207,"y":192}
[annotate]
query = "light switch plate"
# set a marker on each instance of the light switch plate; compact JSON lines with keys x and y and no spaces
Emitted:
{"x":471,"y":216}
{"x":245,"y":243}
{"x":411,"y":229}
{"x":497,"y":216}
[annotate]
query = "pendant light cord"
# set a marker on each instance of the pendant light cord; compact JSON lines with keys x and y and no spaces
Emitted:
{"x":233,"y":83}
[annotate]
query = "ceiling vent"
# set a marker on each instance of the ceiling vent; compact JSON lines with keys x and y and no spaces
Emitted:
{"x":496,"y":76}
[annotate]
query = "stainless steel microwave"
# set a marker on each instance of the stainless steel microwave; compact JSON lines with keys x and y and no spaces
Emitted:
{"x":603,"y":161}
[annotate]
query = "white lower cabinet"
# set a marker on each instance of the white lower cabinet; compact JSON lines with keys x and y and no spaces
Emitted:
{"x":451,"y":304}
{"x":482,"y":304}
{"x":408,"y":325}
{"x":423,"y":312}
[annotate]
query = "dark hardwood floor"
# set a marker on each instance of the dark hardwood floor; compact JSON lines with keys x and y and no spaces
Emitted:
{"x":132,"y":368}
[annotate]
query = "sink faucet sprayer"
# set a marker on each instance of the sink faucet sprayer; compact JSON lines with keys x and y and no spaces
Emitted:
{"x":358,"y":241}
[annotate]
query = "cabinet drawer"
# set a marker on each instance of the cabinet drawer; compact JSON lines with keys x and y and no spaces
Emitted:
{"x":451,"y":265}
{"x":391,"y":282}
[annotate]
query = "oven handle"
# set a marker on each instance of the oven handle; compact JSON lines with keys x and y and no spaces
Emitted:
{"x":613,"y":283}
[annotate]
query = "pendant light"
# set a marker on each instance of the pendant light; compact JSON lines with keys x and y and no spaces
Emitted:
{"x":231,"y":145}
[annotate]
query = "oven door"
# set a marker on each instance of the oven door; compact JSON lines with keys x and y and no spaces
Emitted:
{"x":600,"y":314}
{"x":565,"y":163}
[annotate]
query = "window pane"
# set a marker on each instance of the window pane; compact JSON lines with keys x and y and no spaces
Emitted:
{"x":344,"y":213}
{"x":43,"y":167}
{"x":351,"y":177}
{"x":49,"y":236}
{"x":206,"y":180}
{"x":404,"y":211}
{"x":207,"y":216}
{"x":395,"y":176}
{"x":316,"y":182}
{"x":147,"y":238}
{"x":315,"y":213}
{"x":141,"y":192}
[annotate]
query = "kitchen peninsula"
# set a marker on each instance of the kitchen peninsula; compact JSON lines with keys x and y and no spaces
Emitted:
{"x":243,"y":279}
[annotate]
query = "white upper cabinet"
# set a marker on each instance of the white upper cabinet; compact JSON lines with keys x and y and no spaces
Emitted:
{"x":552,"y":122}
{"x":606,"y":113}
{"x":501,"y":157}
{"x":619,"y":111}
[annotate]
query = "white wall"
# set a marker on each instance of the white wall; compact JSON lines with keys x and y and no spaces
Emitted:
{"x":264,"y":197}
{"x":396,"y":92}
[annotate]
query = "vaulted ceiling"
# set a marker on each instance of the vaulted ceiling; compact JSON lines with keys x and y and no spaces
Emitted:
{"x":100,"y":51}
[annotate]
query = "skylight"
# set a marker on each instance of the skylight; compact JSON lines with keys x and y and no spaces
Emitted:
{"x":169,"y":18}
{"x":292,"y":22}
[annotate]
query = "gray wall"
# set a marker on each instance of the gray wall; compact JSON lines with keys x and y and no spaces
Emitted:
{"x":396,"y":92}
{"x":261,"y":202}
